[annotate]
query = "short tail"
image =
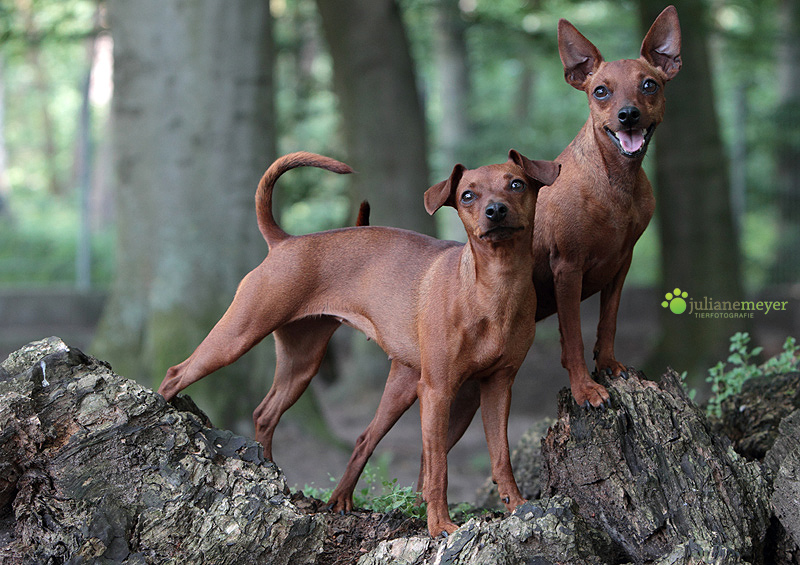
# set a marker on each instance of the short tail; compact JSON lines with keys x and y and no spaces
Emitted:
{"x":270,"y":229}
{"x":363,"y":214}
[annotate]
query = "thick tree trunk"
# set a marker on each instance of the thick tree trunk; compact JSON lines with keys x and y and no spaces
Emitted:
{"x":452,"y":101}
{"x":650,"y":472}
{"x":700,"y":249}
{"x":193,"y":125}
{"x":94,"y":466}
{"x":383,"y":118}
{"x":786,"y":269}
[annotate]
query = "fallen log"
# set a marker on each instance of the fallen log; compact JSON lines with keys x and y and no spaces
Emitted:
{"x":96,"y":468}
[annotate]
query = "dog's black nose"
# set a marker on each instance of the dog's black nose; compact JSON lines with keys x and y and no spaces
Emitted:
{"x":496,"y":212}
{"x":629,"y":116}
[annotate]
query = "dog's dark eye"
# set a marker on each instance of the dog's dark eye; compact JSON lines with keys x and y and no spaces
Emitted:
{"x":467,"y":196}
{"x":601,"y":93}
{"x":649,"y":86}
{"x":517,"y":185}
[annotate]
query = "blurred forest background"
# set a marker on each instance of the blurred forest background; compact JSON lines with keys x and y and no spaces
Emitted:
{"x":133,"y":134}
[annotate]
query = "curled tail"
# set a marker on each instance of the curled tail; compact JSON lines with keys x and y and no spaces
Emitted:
{"x":270,"y":229}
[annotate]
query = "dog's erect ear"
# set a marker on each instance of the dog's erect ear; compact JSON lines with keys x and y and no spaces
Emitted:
{"x":580,"y":57}
{"x":444,"y":193}
{"x":543,"y":172}
{"x":662,"y":44}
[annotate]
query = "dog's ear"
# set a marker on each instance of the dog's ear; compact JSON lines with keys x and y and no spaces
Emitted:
{"x":580,"y":57}
{"x":662,"y":44}
{"x":543,"y":172}
{"x":444,"y":193}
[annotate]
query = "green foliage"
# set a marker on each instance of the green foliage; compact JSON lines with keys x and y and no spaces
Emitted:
{"x":727,"y":378}
{"x":519,"y":99}
{"x":380,"y":494}
{"x":38,"y":245}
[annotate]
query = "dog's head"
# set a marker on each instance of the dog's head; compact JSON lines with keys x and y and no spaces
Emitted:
{"x":495,"y":202}
{"x":626,"y":97}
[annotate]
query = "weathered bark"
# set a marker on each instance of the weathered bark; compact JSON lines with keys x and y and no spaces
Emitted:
{"x":99,"y":469}
{"x":94,"y":467}
{"x":751,"y":418}
{"x":650,"y":472}
{"x":783,"y":460}
{"x":545,"y":532}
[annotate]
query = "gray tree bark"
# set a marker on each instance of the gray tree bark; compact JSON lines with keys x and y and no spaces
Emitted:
{"x":95,"y":468}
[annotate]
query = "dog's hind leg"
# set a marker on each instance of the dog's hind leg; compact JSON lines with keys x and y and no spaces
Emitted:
{"x":256,"y":311}
{"x":398,"y":396}
{"x":300,"y":347}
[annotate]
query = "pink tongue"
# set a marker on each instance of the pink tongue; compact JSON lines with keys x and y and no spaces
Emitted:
{"x":631,"y":141}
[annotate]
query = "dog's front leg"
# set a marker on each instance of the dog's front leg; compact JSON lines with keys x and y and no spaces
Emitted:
{"x":434,"y":407}
{"x":568,"y":280}
{"x":495,"y":406}
{"x":607,"y":325}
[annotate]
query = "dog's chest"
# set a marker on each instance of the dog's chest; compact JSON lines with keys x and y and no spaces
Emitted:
{"x":497,"y":341}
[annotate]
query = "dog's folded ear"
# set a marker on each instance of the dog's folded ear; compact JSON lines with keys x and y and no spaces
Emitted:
{"x":444,"y":193}
{"x":579,"y":55}
{"x":543,"y":172}
{"x":662,"y":44}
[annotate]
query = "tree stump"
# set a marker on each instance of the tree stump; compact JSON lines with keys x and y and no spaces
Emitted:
{"x":751,"y":418}
{"x":96,"y":468}
{"x":650,"y":473}
{"x":783,"y":461}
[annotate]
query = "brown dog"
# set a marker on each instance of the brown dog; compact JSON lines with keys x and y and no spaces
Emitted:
{"x":587,"y":223}
{"x":445,"y":311}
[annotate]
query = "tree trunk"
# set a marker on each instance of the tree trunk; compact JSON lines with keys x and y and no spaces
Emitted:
{"x":700,"y":250}
{"x":384,"y":131}
{"x":4,"y":188}
{"x":193,"y":132}
{"x":383,"y":118}
{"x":94,"y":466}
{"x":453,"y":95}
{"x":786,"y":268}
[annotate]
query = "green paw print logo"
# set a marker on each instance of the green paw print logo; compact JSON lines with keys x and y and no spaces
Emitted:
{"x":675,"y":301}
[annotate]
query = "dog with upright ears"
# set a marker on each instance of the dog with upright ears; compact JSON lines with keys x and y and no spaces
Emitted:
{"x":587,"y":223}
{"x":444,"y":312}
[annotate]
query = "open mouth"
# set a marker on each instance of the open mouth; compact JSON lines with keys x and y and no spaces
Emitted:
{"x":500,"y":233}
{"x":632,"y":143}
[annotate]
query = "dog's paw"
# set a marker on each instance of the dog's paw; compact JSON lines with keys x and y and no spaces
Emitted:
{"x":340,"y":504}
{"x":589,"y":394}
{"x":608,"y":367}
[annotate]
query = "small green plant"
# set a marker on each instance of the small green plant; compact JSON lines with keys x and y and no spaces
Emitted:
{"x":727,"y":378}
{"x":380,"y":494}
